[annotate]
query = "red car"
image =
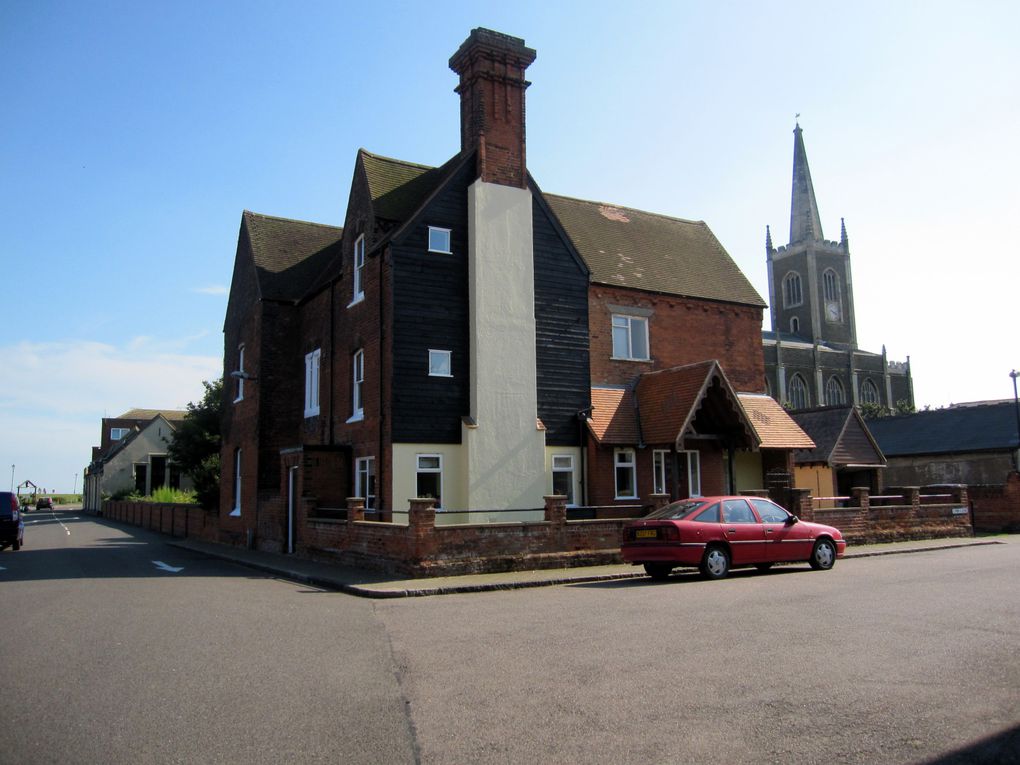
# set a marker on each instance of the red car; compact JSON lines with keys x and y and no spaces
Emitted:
{"x":719,"y":533}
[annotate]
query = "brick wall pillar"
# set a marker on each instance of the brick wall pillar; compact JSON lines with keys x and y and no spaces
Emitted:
{"x":799,"y":503}
{"x":659,"y":501}
{"x":860,"y":496}
{"x":355,"y":509}
{"x":422,"y":514}
{"x":556,"y":509}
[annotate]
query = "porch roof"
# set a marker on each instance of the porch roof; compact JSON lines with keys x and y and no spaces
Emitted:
{"x":773,"y":424}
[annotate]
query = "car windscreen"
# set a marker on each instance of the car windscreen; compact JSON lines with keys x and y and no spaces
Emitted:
{"x":7,"y":504}
{"x":678,"y":510}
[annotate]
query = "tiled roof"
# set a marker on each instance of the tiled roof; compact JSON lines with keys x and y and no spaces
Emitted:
{"x":172,"y":415}
{"x":773,"y":424}
{"x":289,"y":254}
{"x":959,"y":429}
{"x":398,"y":188}
{"x":841,"y":437}
{"x":624,"y":247}
{"x":668,"y":399}
{"x":613,"y":420}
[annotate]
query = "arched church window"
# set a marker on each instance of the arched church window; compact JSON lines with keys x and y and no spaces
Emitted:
{"x":834,"y":393}
{"x":869,"y":393}
{"x":830,"y":285}
{"x":795,"y":325}
{"x":793,"y":294}
{"x":798,"y":393}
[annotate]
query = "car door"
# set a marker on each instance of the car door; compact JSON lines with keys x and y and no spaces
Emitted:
{"x":743,"y":531}
{"x":784,"y":541}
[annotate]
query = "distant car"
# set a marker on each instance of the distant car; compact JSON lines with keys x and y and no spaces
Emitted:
{"x":42,"y":502}
{"x":716,"y":534}
{"x":12,"y":527}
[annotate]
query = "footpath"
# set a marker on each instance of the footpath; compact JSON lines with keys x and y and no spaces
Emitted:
{"x":370,"y":584}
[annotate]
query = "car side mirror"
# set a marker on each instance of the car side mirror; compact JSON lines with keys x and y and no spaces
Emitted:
{"x":792,"y":520}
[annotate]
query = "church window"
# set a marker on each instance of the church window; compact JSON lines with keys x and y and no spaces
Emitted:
{"x":834,"y":393}
{"x":793,"y":294}
{"x":869,"y":393}
{"x":798,"y":393}
{"x":830,"y":285}
{"x":795,"y":325}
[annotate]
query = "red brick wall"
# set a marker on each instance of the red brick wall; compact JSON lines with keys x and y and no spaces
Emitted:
{"x":176,"y":520}
{"x":681,"y":331}
{"x":997,"y":508}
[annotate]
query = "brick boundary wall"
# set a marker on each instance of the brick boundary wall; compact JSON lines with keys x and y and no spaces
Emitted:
{"x":421,"y":548}
{"x":996,"y":508}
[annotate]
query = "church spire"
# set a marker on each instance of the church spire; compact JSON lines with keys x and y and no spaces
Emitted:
{"x":805,"y":223}
{"x":768,"y":240}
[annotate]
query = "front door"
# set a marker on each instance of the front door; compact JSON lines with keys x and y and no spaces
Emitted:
{"x":292,"y":476}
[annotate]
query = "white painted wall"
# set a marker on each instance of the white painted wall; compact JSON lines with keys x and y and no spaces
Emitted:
{"x":504,"y":449}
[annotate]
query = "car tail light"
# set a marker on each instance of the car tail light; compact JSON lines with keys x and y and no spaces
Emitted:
{"x":670,"y":533}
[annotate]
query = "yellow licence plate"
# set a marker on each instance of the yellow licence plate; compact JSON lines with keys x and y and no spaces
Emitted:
{"x":646,"y":534}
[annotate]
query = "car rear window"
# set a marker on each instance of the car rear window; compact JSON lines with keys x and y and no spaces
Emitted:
{"x":678,"y":510}
{"x":7,"y":504}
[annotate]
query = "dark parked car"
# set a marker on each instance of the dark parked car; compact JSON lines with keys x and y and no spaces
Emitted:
{"x":42,"y":502}
{"x":719,"y":533}
{"x":12,"y":528}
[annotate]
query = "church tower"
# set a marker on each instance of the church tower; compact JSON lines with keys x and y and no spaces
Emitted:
{"x":810,"y":288}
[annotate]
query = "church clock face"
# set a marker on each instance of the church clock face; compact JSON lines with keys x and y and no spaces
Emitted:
{"x":832,"y":312}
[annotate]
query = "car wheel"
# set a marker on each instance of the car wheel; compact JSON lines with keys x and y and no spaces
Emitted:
{"x":763,"y":566}
{"x":823,"y":556}
{"x":659,"y":571}
{"x":715,"y":564}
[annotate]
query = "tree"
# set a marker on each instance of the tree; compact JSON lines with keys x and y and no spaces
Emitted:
{"x":196,"y":444}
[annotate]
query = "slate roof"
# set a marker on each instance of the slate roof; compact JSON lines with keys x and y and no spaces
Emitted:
{"x":398,"y":188}
{"x":958,"y":429}
{"x":773,"y":424}
{"x":841,"y":437}
{"x":289,"y":254}
{"x":624,"y":247}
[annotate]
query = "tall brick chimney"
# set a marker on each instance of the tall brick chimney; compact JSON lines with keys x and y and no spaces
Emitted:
{"x":491,"y":67}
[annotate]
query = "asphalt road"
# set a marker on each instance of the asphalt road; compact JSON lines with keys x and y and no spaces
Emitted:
{"x":108,"y":657}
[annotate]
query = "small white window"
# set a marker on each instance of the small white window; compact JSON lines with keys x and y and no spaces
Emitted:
{"x":439,"y":240}
{"x":660,"y":471}
{"x":357,"y":386}
{"x":693,"y":473}
{"x":563,"y":476}
{"x":236,"y":511}
{"x":626,"y":479}
{"x":630,"y":337}
{"x":440,"y":363}
{"x":430,"y":478}
{"x":312,"y":361}
{"x":364,"y":480}
{"x":239,"y":378}
{"x":118,"y":433}
{"x":359,"y":270}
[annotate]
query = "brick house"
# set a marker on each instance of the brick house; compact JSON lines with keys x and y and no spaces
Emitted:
{"x":465,"y":336}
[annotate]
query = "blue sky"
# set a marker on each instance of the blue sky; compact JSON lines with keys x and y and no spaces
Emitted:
{"x":134,"y":135}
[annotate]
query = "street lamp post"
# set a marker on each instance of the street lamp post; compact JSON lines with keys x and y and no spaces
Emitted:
{"x":1016,"y":405}
{"x":12,"y":468}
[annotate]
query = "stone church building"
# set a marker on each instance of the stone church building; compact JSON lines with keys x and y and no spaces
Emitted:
{"x":811,"y":354}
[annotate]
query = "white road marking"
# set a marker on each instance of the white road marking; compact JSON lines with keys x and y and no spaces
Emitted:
{"x":167,"y":567}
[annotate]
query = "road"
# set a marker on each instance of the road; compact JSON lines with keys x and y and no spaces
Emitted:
{"x":110,"y":657}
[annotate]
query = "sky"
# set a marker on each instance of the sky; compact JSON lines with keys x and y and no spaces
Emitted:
{"x":134,"y":134}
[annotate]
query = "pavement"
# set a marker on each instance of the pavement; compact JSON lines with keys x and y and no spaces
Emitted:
{"x":371,"y":584}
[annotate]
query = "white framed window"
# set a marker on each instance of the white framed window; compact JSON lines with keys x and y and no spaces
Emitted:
{"x":440,"y":363}
{"x":630,"y":337}
{"x":239,"y":379}
{"x":364,"y":480}
{"x":563,"y":476}
{"x":236,"y":511}
{"x":429,"y":479}
{"x":312,"y":361}
{"x":439,"y":240}
{"x":797,"y":395}
{"x":793,"y":293}
{"x":359,"y":270}
{"x":660,"y":471}
{"x":118,"y":433}
{"x":626,"y":474}
{"x":693,"y":459}
{"x":357,"y":385}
